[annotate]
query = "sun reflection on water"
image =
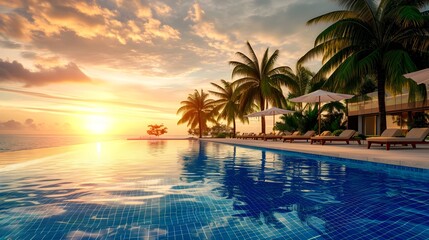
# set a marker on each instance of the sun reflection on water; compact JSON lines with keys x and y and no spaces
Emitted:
{"x":98,"y":144}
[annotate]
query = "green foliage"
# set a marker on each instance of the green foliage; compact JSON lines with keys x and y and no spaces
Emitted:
{"x":360,"y":136}
{"x":299,"y":83}
{"x":333,"y":121}
{"x":420,"y":119}
{"x":156,"y":130}
{"x":221,"y":135}
{"x":368,"y":86}
{"x":259,"y":82}
{"x":196,"y":132}
{"x":302,"y":122}
{"x":197,"y":110}
{"x":220,"y":131}
{"x":290,"y":122}
{"x":309,"y":120}
{"x":337,"y":132}
{"x":382,"y":39}
{"x":228,"y":103}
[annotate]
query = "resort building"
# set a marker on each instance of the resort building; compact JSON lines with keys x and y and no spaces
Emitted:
{"x":364,"y":114}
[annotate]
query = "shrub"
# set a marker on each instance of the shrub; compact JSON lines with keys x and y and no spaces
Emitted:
{"x":156,"y":130}
{"x":337,"y":132}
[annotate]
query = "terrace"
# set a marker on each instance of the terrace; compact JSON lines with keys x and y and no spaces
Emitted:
{"x":368,"y":104}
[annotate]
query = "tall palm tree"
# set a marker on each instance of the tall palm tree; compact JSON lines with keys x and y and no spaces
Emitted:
{"x":259,"y":83}
{"x":197,"y":110}
{"x":385,"y":39}
{"x":228,"y":103}
{"x":299,"y":83}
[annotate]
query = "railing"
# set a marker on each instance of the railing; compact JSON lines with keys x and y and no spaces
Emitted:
{"x":368,"y":104}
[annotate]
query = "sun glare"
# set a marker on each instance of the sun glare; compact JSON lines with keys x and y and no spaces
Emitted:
{"x":97,"y":124}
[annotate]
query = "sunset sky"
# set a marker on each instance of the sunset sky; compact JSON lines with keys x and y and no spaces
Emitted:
{"x":115,"y":66}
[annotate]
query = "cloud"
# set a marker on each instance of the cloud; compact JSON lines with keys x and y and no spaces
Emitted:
{"x":208,"y":31}
{"x":15,"y":71}
{"x":30,"y":123}
{"x":11,"y":125}
{"x":87,"y":100}
{"x":9,"y":44}
{"x":155,"y":28}
{"x":195,"y":13}
{"x":158,"y":38}
{"x":13,"y":25}
{"x":16,"y":125}
{"x":46,"y":60}
{"x":161,"y":8}
{"x":87,"y":19}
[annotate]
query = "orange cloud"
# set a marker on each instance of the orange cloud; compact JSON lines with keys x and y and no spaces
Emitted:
{"x":86,"y":19}
{"x":87,"y":100}
{"x":15,"y":26}
{"x":154,"y":28}
{"x":161,"y":9}
{"x":15,"y":71}
{"x":195,"y":14}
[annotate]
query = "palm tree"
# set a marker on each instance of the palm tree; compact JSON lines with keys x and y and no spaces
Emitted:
{"x":197,"y":110}
{"x":229,"y":104}
{"x":299,"y":83}
{"x":259,"y":83}
{"x":385,"y":39}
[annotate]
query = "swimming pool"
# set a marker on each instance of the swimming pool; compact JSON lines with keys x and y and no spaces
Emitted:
{"x":192,"y":190}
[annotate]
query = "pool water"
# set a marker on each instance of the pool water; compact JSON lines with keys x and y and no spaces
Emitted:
{"x":191,"y":190}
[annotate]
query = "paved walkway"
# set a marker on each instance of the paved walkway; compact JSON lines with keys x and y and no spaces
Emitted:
{"x":397,"y":155}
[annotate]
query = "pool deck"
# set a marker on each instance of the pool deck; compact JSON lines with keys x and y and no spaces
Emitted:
{"x":397,"y":155}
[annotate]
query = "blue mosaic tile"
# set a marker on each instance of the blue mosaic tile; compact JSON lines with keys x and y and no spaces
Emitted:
{"x":192,"y":190}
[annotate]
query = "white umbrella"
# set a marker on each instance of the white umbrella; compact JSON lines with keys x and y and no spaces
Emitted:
{"x":321,"y":96}
{"x":419,"y":77}
{"x":270,"y":111}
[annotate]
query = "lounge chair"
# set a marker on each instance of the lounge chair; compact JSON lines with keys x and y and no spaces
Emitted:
{"x":391,"y":133}
{"x":248,"y":136}
{"x":238,"y":135}
{"x":293,"y":137}
{"x":259,"y":136}
{"x":325,"y":133}
{"x":345,"y":136}
{"x":279,"y":135}
{"x":414,"y":136}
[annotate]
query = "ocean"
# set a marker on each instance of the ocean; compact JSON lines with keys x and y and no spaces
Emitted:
{"x":16,"y":142}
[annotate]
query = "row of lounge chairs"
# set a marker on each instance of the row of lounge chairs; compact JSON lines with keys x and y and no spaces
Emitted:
{"x":388,"y":137}
{"x":309,"y":135}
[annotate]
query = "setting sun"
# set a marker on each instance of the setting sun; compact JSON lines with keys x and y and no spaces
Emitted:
{"x":97,"y":124}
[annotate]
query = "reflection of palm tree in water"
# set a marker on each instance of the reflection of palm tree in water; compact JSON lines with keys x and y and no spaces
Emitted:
{"x":251,"y":192}
{"x":194,"y":163}
{"x":262,"y":192}
{"x":229,"y":182}
{"x":156,"y":146}
{"x":259,"y":198}
{"x":259,"y":192}
{"x":196,"y":166}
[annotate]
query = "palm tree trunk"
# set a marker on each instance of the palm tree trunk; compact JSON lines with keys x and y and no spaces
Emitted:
{"x":262,"y":105}
{"x":381,"y":88}
{"x":200,"y":125}
{"x":233,"y":127}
